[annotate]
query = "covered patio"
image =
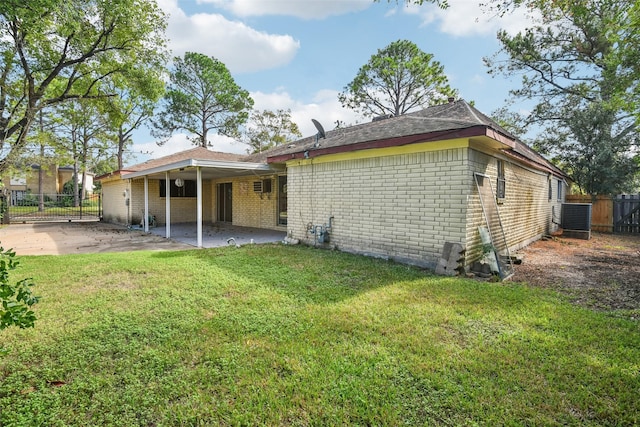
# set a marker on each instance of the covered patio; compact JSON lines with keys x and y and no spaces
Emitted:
{"x":220,"y":234}
{"x":205,"y":220}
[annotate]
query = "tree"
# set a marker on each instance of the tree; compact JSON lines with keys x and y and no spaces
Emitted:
{"x":131,"y":107}
{"x":55,"y":50}
{"x":83,"y":132}
{"x":619,"y":30}
{"x":571,"y":68}
{"x":201,"y":97}
{"x":396,"y":80}
{"x":593,"y":150}
{"x":268,"y":129}
{"x":511,"y":121}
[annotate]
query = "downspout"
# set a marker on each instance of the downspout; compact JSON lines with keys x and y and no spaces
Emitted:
{"x":167,"y":185}
{"x":145,"y":218}
{"x":199,"y":203}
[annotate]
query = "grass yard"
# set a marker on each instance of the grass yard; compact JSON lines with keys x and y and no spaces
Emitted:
{"x":282,"y":335}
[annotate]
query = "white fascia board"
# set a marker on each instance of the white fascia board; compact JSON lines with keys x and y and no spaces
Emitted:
{"x":202,"y":163}
{"x":231,"y":165}
{"x":158,"y":169}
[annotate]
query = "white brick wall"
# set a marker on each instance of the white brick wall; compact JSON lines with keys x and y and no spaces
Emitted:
{"x":402,"y":207}
{"x":405,"y":207}
{"x":526,"y":210}
{"x":114,"y":207}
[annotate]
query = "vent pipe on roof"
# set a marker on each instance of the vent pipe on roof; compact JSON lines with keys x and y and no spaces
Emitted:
{"x":383,"y":117}
{"x":451,"y":100}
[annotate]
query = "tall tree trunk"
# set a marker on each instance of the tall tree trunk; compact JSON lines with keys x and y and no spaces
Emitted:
{"x":122,"y":140}
{"x":76,"y":202}
{"x":41,"y":171}
{"x":41,"y":180}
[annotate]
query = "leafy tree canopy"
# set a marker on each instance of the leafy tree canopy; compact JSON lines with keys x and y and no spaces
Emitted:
{"x":572,"y":68}
{"x":267,"y":129}
{"x":593,"y":149}
{"x":55,"y":50}
{"x":398,"y":79}
{"x":201,"y":97}
{"x":131,"y":107}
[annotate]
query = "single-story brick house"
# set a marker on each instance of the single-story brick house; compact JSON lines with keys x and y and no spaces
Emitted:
{"x":398,"y":187}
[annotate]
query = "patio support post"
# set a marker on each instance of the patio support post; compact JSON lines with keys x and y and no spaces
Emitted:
{"x":167,"y":205}
{"x":199,"y":203}
{"x":145,"y":219}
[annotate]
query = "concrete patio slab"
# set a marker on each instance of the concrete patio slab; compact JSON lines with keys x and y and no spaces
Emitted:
{"x":60,"y":238}
{"x":215,"y":235}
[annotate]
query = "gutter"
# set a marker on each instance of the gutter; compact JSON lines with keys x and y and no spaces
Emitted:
{"x":189,"y":163}
{"x":473,"y":131}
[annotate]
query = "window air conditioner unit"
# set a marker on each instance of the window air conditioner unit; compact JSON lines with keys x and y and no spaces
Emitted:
{"x":263,"y":186}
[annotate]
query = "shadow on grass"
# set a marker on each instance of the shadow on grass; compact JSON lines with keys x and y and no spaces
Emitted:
{"x":303,"y":273}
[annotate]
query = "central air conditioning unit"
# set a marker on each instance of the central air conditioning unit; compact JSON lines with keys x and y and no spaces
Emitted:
{"x":576,"y":220}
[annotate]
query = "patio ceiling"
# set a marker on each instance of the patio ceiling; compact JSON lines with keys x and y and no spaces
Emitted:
{"x":187,"y":169}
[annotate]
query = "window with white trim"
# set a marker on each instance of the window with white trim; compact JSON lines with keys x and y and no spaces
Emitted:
{"x":559,"y":190}
{"x":501,"y":185}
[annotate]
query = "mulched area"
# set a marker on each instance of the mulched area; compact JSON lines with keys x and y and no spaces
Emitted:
{"x":602,"y":273}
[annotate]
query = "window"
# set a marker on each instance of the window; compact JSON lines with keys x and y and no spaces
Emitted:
{"x":282,"y":200}
{"x":266,"y":186}
{"x":501,"y":184}
{"x":188,"y":188}
{"x":559,"y":190}
{"x":550,"y":189}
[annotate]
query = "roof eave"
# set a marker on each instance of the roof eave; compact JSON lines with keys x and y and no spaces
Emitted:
{"x":112,"y":174}
{"x":189,"y":163}
{"x":536,"y":165}
{"x":469,"y":132}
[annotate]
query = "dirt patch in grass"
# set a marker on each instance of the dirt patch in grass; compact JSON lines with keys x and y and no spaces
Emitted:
{"x":601,"y":273}
{"x":58,"y":238}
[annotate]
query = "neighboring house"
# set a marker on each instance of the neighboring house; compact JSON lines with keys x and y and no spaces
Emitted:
{"x":398,"y":188}
{"x":27,"y":184}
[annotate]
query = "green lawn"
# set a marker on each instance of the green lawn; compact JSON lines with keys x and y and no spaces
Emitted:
{"x":282,"y":335}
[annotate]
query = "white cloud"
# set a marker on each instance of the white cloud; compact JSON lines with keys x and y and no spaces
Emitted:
{"x":324,"y":107}
{"x":240,"y":47}
{"x":478,"y":79}
{"x":469,"y":18}
{"x":305,"y":9}
{"x":180,"y":142}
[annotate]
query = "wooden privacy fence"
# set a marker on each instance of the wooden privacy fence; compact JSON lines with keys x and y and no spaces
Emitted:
{"x":619,"y":214}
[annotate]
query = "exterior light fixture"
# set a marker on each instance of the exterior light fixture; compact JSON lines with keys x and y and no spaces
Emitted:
{"x":179,"y":182}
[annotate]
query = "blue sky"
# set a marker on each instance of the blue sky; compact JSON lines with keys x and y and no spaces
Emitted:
{"x":299,"y":54}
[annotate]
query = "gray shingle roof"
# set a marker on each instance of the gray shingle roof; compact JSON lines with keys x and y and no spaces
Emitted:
{"x":433,"y":123}
{"x":453,"y":116}
{"x":198,"y":153}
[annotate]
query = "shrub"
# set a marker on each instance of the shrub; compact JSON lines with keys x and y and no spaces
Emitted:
{"x":16,"y":299}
